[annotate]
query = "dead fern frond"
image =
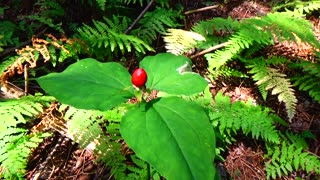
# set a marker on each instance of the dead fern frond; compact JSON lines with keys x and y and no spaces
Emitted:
{"x":31,"y":54}
{"x":179,"y":41}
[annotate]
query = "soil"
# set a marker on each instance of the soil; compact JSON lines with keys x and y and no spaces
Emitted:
{"x":59,"y":158}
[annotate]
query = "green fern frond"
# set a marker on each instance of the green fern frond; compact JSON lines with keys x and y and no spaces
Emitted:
{"x":299,"y":6}
{"x":290,"y":157}
{"x":14,"y":153}
{"x":6,"y":63}
{"x":225,"y":71}
{"x":216,"y":25}
{"x":49,"y":8}
{"x":15,"y":143}
{"x":264,"y":31}
{"x":245,"y":117}
{"x":307,"y":7}
{"x":104,"y":35}
{"x":156,"y":22}
{"x":7,"y":29}
{"x":309,"y":81}
{"x":47,"y":21}
{"x":179,"y":41}
{"x":86,"y":127}
{"x":15,"y":111}
{"x":101,"y":4}
{"x":276,"y":60}
{"x":291,"y":26}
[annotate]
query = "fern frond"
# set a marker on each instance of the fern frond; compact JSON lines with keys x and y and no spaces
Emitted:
{"x":299,"y":6}
{"x":101,"y":4}
{"x":6,"y":63}
{"x":216,"y":25}
{"x":49,"y":8}
{"x":245,"y":117}
{"x":307,"y":7}
{"x":47,"y":21}
{"x":15,"y":153}
{"x":271,"y":78}
{"x":156,"y":22}
{"x":103,"y":35}
{"x":309,"y":81}
{"x":15,"y":143}
{"x":15,"y":111}
{"x":225,"y":71}
{"x":86,"y":128}
{"x":264,"y":31}
{"x":179,"y":41}
{"x":290,"y":157}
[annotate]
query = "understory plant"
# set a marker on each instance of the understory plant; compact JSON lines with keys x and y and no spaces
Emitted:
{"x":233,"y":41}
{"x":171,"y":134}
{"x":227,"y":41}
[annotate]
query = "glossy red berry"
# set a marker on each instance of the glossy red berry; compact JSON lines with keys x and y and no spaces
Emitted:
{"x":139,"y":77}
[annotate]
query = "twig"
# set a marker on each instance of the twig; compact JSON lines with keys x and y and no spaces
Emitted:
{"x":210,"y":49}
{"x":139,"y":17}
{"x":201,"y":9}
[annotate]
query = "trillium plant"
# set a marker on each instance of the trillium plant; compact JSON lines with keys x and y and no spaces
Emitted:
{"x":170,"y":133}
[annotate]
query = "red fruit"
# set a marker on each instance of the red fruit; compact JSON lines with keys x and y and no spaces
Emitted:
{"x":139,"y":77}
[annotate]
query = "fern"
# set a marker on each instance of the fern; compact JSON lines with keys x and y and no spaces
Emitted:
{"x":7,"y":33}
{"x":50,"y":8}
{"x":307,"y":7}
{"x":300,"y":6}
{"x":309,"y":81}
{"x":6,"y":63}
{"x":263,"y":31}
{"x":225,"y":71}
{"x":289,"y":157}
{"x":231,"y":118}
{"x":104,"y":35}
{"x":15,"y":143}
{"x":156,"y":22}
{"x":179,"y":41}
{"x":270,"y":78}
{"x":217,"y":26}
{"x":86,"y":128}
{"x":48,"y":11}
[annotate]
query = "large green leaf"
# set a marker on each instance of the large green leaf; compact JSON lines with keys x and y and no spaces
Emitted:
{"x":172,"y":74}
{"x":174,"y":136}
{"x":89,"y":84}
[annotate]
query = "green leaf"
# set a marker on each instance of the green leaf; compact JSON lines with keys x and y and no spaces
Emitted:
{"x":174,"y":136}
{"x":172,"y":74}
{"x":89,"y":84}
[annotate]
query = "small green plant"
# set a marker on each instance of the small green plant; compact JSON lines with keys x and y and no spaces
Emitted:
{"x":171,"y":134}
{"x":16,"y":143}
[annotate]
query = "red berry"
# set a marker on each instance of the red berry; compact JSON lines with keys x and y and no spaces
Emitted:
{"x":139,"y":77}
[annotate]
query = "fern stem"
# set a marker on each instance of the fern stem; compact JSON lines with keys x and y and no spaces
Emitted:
{"x":201,"y":9}
{"x":148,"y":171}
{"x":139,"y":17}
{"x":210,"y":49}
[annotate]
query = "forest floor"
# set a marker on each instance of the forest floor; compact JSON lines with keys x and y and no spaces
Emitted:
{"x":58,"y":158}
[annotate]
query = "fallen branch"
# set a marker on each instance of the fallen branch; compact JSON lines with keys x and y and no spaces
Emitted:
{"x":201,"y":9}
{"x":209,"y":50}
